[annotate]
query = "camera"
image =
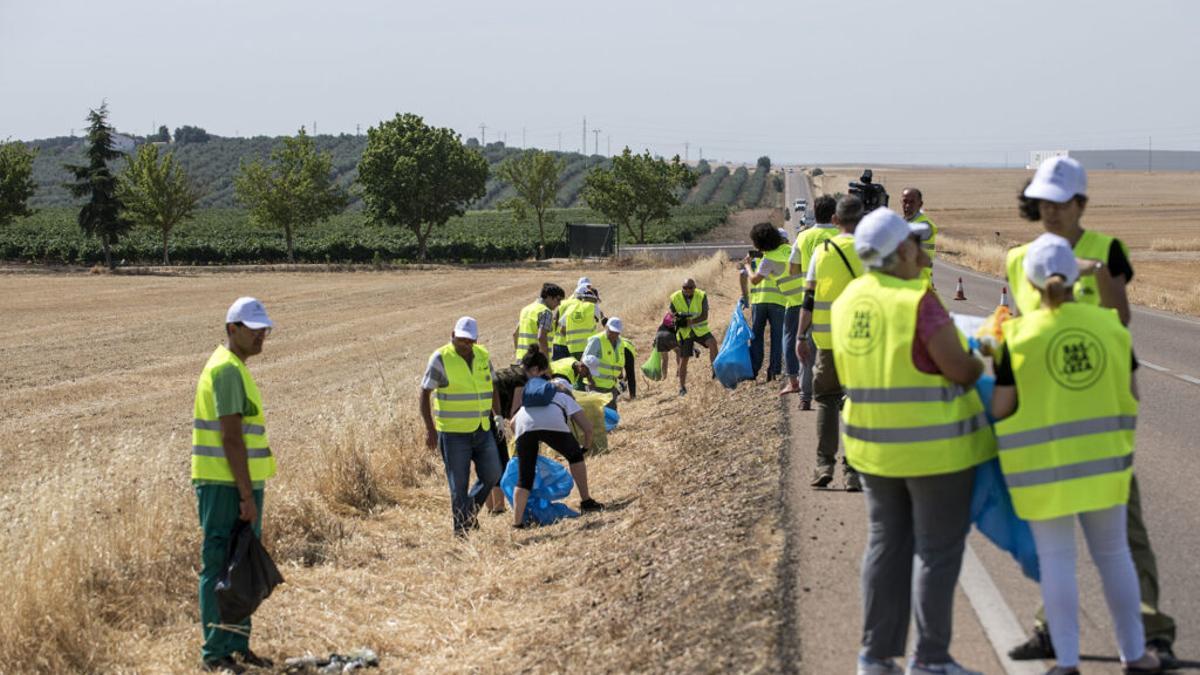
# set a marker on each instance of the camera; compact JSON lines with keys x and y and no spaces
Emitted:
{"x":754,"y":253}
{"x":872,"y":194}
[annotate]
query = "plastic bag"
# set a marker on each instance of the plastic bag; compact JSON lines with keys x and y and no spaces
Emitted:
{"x":611,"y":419}
{"x":594,"y":405}
{"x":733,"y":362}
{"x":551,"y":483}
{"x":250,"y":576}
{"x":991,"y":505}
{"x":652,"y":368}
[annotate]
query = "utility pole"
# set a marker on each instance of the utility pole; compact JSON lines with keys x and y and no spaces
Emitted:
{"x":483,"y":135}
{"x":686,"y":149}
{"x":560,"y":141}
{"x":583,"y":148}
{"x":597,"y":137}
{"x":505,"y":139}
{"x":314,"y":127}
{"x":700,"y":157}
{"x":358,"y":130}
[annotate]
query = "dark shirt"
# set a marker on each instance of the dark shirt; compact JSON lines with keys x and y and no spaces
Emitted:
{"x":1118,"y":263}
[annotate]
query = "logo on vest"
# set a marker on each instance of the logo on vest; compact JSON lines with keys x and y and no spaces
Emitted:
{"x":1076,"y":359}
{"x":866,"y":326}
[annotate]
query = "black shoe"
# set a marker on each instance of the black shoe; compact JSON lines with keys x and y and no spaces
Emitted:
{"x":853,"y":482}
{"x":590,"y":505}
{"x":822,"y":477}
{"x":225,"y":664}
{"x":1037,"y":647}
{"x":253,"y":660}
{"x":806,"y":405}
{"x":1166,"y":655}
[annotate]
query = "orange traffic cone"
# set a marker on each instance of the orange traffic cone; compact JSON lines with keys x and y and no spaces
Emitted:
{"x":958,"y":291}
{"x":1004,"y":297}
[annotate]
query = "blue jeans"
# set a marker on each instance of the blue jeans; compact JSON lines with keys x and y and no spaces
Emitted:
{"x":760,"y":315}
{"x":458,"y":451}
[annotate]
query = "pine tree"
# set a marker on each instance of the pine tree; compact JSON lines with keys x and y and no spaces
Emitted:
{"x":101,"y":215}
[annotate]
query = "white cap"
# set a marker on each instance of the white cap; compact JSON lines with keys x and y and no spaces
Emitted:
{"x":584,"y":281}
{"x":881,"y":232}
{"x":581,"y":290}
{"x":784,"y":233}
{"x":1050,"y":255}
{"x":614,"y":324}
{"x":466,"y":328}
{"x":593,"y":364}
{"x":1058,"y":179}
{"x":248,"y":311}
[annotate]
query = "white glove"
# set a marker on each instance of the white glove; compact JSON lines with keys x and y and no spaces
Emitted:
{"x":498,"y":423}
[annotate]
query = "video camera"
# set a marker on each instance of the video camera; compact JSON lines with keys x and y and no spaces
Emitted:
{"x":873,"y":195}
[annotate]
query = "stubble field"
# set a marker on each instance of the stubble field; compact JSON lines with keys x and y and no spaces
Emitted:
{"x":100,"y":542}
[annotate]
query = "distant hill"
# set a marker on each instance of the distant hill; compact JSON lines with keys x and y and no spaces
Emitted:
{"x":212,"y":165}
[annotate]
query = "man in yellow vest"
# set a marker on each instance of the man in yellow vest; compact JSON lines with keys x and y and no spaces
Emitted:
{"x":459,"y":379}
{"x":572,"y":370}
{"x":605,"y":358}
{"x":231,"y":462}
{"x":768,"y":305}
{"x":1057,"y":197}
{"x":535,"y":325}
{"x":578,"y":320}
{"x":800,"y":375}
{"x":689,"y":311}
{"x":833,"y":266}
{"x":913,"y":202}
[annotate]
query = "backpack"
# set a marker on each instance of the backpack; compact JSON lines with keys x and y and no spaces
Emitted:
{"x":538,"y":392}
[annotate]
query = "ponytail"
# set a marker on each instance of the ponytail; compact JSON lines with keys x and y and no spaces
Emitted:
{"x":1056,"y":292}
{"x":534,"y":358}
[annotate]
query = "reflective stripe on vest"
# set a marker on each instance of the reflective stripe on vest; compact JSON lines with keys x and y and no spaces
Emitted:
{"x":767,"y":290}
{"x":208,"y":449}
{"x":527,"y":326}
{"x":691,"y":310}
{"x":832,"y":277}
{"x":465,"y":404}
{"x":581,"y":324}
{"x":1068,"y":448}
{"x":899,"y":421}
{"x":1091,"y":246}
{"x":612,"y":362}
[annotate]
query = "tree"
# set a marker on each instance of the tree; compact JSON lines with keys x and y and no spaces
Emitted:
{"x":295,"y":190}
{"x":101,"y":215}
{"x":16,"y":181}
{"x":417,"y":176}
{"x":156,"y":194}
{"x":190,"y":134}
{"x":764,"y":163}
{"x":534,"y":175}
{"x":637,"y":190}
{"x":163,"y":135}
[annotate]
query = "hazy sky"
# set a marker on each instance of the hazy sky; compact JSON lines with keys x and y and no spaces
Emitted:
{"x":924,"y":81}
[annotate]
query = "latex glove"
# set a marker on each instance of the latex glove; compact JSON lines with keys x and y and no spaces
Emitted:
{"x":501,"y":427}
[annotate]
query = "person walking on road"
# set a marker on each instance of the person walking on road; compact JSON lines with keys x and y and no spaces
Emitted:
{"x":915,"y":430}
{"x":1057,"y":196}
{"x":913,"y":202}
{"x":460,"y":380}
{"x":800,"y":373}
{"x":535,"y":325}
{"x":231,"y":463}
{"x":689,"y":315}
{"x":833,"y":266}
{"x":1067,"y":449}
{"x":604,"y":356}
{"x":767,"y":304}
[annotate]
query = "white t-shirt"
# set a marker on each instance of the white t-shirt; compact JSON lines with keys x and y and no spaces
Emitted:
{"x":551,"y":417}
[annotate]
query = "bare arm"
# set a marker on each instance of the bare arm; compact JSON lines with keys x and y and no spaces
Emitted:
{"x":955,"y":363}
{"x":427,"y":418}
{"x":1004,"y":401}
{"x":518,"y":395}
{"x":234,"y":445}
{"x":580,"y":418}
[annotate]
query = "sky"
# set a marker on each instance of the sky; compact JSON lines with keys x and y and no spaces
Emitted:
{"x":918,"y":82}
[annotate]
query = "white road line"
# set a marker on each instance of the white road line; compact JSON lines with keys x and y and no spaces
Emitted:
{"x":997,"y":618}
{"x":1155,"y":366}
{"x":1188,"y":378}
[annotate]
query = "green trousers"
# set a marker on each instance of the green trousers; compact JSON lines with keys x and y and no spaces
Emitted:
{"x":1158,"y":626}
{"x":219,"y":508}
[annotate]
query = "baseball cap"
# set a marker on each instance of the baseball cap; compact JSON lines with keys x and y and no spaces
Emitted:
{"x":1058,"y":179}
{"x":584,"y":281}
{"x":1050,"y":255}
{"x":466,"y":328}
{"x":881,"y":232}
{"x":249,"y":312}
{"x":614,"y":324}
{"x":593,"y":364}
{"x":581,"y":290}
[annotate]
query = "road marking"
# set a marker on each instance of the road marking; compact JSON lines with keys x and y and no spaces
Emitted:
{"x":997,"y":618}
{"x":1155,"y":366}
{"x":1188,"y":378}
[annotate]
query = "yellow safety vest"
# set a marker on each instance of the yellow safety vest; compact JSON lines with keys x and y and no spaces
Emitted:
{"x":628,"y":344}
{"x":899,"y":421}
{"x":465,"y":404}
{"x":832,"y":277}
{"x":1092,"y":245}
{"x":1069,"y":446}
{"x":556,"y":336}
{"x":767,"y":291}
{"x":808,"y":241}
{"x":208,"y":452}
{"x":691,"y":310}
{"x":930,"y":245}
{"x":612,"y":362}
{"x":565,"y":367}
{"x":581,"y":323}
{"x":527,"y":326}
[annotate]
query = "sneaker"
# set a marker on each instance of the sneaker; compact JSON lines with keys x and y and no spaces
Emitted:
{"x":683,"y":391}
{"x":590,"y":505}
{"x":1037,"y":647}
{"x":1166,"y":656}
{"x":1062,"y":670}
{"x":948,"y":668}
{"x":870,"y":666}
{"x":806,"y":405}
{"x":253,"y":660}
{"x":853,"y":482}
{"x":822,"y":476}
{"x":225,"y":664}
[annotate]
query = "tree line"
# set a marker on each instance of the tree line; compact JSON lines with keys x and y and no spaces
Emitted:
{"x":411,"y":175}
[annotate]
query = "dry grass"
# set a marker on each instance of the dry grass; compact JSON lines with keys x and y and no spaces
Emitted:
{"x":1175,"y":245}
{"x":101,"y":541}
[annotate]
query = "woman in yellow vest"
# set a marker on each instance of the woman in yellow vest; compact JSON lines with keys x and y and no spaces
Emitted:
{"x":1067,"y":404}
{"x":768,"y":304}
{"x":914,"y":430}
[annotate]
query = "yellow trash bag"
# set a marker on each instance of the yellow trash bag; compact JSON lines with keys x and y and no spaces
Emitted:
{"x":593,"y":404}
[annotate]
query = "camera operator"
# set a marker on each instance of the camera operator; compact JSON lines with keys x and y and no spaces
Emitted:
{"x":873,"y":195}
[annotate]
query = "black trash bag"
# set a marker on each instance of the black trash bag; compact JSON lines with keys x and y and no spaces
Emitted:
{"x":250,"y":576}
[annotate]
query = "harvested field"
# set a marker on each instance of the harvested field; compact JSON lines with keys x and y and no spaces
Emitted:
{"x":977,"y":210}
{"x":101,"y":544}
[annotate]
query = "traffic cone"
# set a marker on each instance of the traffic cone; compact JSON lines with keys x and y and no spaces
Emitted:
{"x":1004,"y":297}
{"x":958,"y":291}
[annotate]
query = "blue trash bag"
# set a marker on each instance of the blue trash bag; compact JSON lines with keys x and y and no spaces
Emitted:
{"x":551,"y":482}
{"x":991,"y":505}
{"x":733,"y":362}
{"x":611,"y":419}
